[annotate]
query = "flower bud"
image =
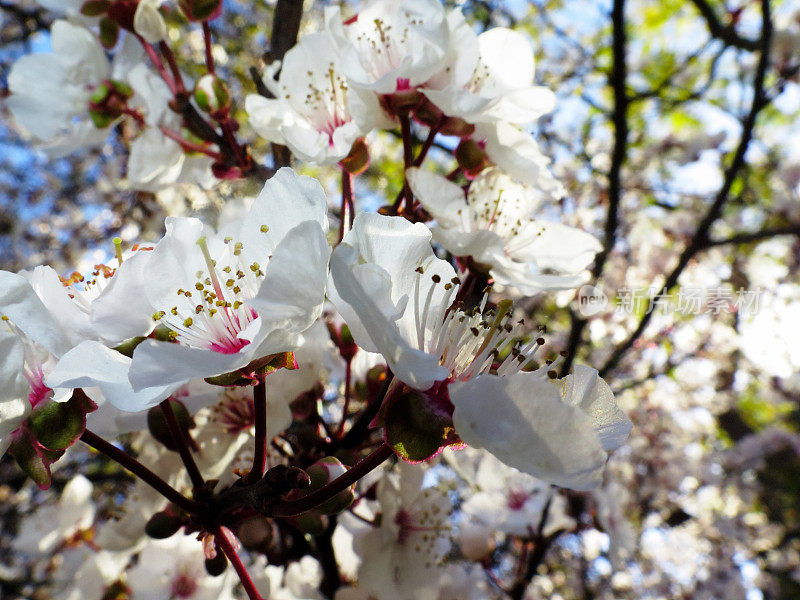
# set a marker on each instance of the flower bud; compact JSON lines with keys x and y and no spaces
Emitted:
{"x":201,"y":10}
{"x":471,"y":157}
{"x":148,"y":22}
{"x":475,"y":541}
{"x":310,"y":522}
{"x":159,"y":428}
{"x":162,"y":525}
{"x":212,"y":95}
{"x":216,"y":566}
{"x":107,"y":102}
{"x":358,"y":160}
{"x":324,"y":471}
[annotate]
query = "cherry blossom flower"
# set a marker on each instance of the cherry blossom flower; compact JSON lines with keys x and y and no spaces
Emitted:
{"x":390,"y":46}
{"x":238,"y":295}
{"x":64,"y":523}
{"x":493,"y":223}
{"x":493,"y":88}
{"x":396,"y":297}
{"x":173,"y":568}
{"x":50,"y":92}
{"x":315,"y":111}
{"x":405,"y":552}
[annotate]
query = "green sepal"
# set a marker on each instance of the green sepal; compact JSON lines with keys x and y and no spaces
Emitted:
{"x":58,"y":425}
{"x":32,"y":458}
{"x":413,"y":429}
{"x":260,"y":368}
{"x":95,"y":8}
{"x":127,"y":347}
{"x":109,"y":33}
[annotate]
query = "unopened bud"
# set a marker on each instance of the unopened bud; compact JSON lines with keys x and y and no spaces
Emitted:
{"x":216,"y":566}
{"x":358,"y":160}
{"x":310,"y":522}
{"x":148,"y":22}
{"x":159,"y":428}
{"x":323,"y":472}
{"x":201,"y":10}
{"x":212,"y":95}
{"x":162,"y":525}
{"x":475,"y":541}
{"x":471,"y":157}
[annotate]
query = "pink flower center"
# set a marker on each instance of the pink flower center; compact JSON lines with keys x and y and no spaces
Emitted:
{"x":517,"y":499}
{"x":183,"y":586}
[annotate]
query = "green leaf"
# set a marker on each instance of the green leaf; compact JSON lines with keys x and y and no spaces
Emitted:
{"x":58,"y":425}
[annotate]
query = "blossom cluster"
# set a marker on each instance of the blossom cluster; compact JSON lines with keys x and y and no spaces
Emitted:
{"x":328,"y":350}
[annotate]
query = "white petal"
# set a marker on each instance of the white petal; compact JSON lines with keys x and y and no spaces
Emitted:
{"x":148,"y":22}
{"x":122,"y":311}
{"x":293,"y":290}
{"x":443,"y":199}
{"x":585,"y":389}
{"x":19,"y":302}
{"x":522,"y":420}
{"x":267,"y":116}
{"x":91,"y":364}
{"x":416,"y":368}
{"x":171,"y":365}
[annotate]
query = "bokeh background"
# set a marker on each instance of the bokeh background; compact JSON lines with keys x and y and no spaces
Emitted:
{"x":673,"y":136}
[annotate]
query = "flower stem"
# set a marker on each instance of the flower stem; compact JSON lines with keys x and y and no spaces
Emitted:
{"x":134,"y":466}
{"x":188,"y":146}
{"x":176,"y":72}
{"x":260,"y":416}
{"x":179,"y":436}
{"x":249,"y":587}
{"x":348,"y":375}
{"x":428,"y":142}
{"x":158,"y":64}
{"x":209,"y":55}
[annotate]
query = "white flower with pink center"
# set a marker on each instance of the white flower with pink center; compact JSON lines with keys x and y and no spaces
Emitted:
{"x":228,"y":298}
{"x":396,"y":297}
{"x":403,"y":556}
{"x":315,"y":111}
{"x":390,"y":46}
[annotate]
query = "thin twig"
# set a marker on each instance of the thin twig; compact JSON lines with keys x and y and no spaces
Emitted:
{"x":134,"y":466}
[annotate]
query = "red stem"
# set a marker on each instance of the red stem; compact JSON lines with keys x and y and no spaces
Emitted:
{"x":348,"y":372}
{"x":179,"y":438}
{"x":428,"y":142}
{"x":209,"y":55}
{"x":158,"y":64}
{"x":138,"y":469}
{"x":222,"y":540}
{"x":173,"y":65}
{"x":190,"y":146}
{"x":260,"y":415}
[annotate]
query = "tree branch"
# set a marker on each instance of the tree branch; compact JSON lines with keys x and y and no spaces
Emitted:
{"x":617,"y":81}
{"x":700,"y":240}
{"x":725,"y":33}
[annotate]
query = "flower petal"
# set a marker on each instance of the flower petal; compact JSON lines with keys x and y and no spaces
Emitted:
{"x":522,"y":420}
